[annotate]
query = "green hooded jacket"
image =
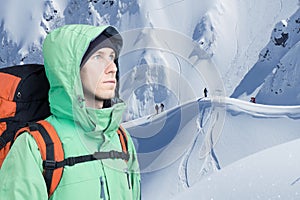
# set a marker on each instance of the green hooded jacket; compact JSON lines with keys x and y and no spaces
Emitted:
{"x":82,"y":131}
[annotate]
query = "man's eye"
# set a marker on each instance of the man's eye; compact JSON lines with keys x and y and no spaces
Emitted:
{"x":97,"y":57}
{"x":112,"y":57}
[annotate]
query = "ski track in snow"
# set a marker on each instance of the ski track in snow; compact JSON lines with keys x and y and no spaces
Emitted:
{"x":210,"y":115}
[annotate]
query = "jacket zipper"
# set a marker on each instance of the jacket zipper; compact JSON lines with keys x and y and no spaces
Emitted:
{"x":128,"y":178}
{"x":102,"y":191}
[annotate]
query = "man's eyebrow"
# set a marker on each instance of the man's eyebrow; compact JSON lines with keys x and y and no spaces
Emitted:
{"x":102,"y":52}
{"x":99,"y":52}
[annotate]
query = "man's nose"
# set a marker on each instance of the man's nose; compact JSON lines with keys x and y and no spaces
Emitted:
{"x":111,"y":67}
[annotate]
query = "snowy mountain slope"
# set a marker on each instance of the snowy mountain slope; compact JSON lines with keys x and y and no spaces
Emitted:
{"x":179,"y":149}
{"x":153,"y":80}
{"x":24,"y":25}
{"x":277,"y":70}
{"x":270,"y":174}
{"x":230,"y":35}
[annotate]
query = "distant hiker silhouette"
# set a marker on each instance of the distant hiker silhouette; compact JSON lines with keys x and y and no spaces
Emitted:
{"x":162,"y":106}
{"x":252,"y":100}
{"x":156,"y":108}
{"x":205,"y":92}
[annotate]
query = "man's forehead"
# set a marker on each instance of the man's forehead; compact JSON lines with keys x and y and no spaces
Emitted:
{"x":105,"y":50}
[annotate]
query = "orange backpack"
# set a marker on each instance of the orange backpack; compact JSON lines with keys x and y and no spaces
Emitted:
{"x":23,"y":106}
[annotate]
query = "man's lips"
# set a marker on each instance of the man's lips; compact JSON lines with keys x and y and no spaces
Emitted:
{"x":110,"y":81}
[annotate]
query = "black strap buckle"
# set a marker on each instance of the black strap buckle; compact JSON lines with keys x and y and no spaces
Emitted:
{"x":49,"y":164}
{"x":113,"y":154}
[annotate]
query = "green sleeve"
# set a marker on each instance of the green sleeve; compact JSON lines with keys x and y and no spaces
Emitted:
{"x":21,"y":173}
{"x":135,"y":172}
{"x":136,"y":186}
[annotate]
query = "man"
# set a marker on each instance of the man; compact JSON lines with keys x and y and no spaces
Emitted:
{"x":162,"y":106}
{"x":81,"y":64}
{"x":205,"y":92}
{"x":156,"y":108}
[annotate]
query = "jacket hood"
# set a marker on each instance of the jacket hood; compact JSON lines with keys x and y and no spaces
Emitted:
{"x":63,"y":50}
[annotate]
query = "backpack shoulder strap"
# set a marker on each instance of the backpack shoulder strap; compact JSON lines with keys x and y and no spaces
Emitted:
{"x":123,"y":139}
{"x":51,"y":150}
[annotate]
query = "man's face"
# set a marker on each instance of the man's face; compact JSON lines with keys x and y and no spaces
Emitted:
{"x":98,"y":75}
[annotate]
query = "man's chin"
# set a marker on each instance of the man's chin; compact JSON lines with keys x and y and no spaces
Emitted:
{"x":104,"y":97}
